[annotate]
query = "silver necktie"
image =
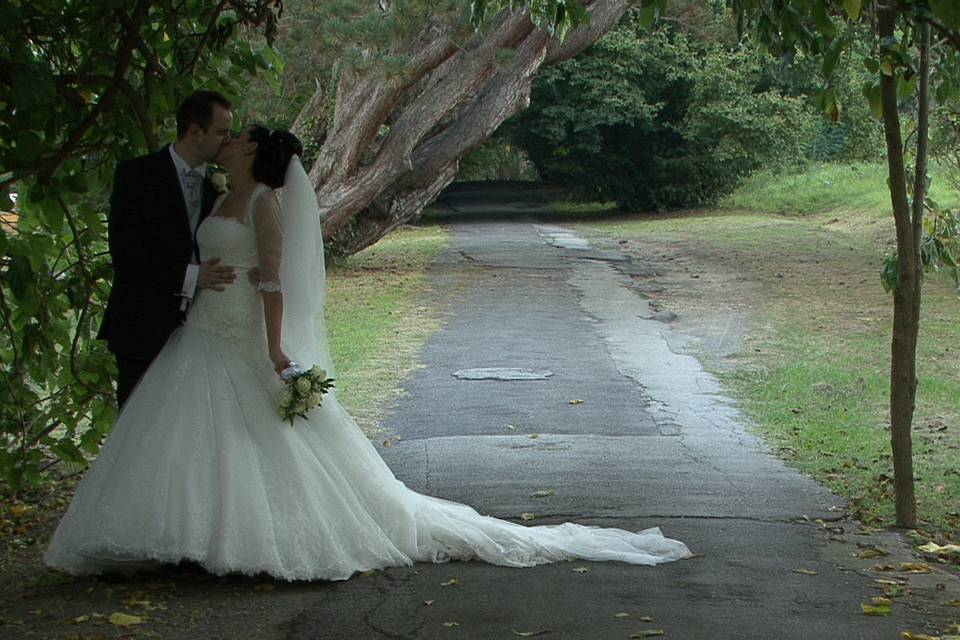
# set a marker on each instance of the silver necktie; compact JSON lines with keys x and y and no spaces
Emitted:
{"x":194,"y":182}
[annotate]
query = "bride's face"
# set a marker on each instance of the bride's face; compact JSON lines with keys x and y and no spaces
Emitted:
{"x":239,"y":151}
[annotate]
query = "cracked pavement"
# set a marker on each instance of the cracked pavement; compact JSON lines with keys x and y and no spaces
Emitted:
{"x":654,"y":442}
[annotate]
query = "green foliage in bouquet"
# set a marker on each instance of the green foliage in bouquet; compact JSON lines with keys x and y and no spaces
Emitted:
{"x":303,"y":392}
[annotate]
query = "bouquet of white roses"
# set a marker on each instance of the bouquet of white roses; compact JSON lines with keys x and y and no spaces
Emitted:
{"x":302,"y":390}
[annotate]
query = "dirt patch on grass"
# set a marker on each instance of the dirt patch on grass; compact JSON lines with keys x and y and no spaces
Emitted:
{"x":731,"y":276}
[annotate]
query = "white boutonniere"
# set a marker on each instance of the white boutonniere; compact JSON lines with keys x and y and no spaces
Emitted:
{"x":219,"y":181}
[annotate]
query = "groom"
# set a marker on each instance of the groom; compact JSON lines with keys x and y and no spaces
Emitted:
{"x":157,"y":203}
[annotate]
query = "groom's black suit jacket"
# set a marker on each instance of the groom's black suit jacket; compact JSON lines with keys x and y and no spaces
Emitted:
{"x":151,"y":245}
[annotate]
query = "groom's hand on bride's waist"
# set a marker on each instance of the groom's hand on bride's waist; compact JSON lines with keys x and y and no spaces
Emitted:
{"x":214,"y":276}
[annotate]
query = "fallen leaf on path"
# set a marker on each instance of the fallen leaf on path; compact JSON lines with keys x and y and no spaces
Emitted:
{"x":884,"y":567}
{"x":906,"y":635}
{"x":451,"y":624}
{"x":526,"y":516}
{"x":580,"y":570}
{"x":543,"y":493}
{"x":914,"y":567}
{"x":428,"y":602}
{"x":450,"y":582}
{"x":955,"y":603}
{"x":871,"y":552}
{"x":876,"y":609}
{"x":645,"y":619}
{"x":530,"y":634}
{"x":386,"y":443}
{"x":576,"y":402}
{"x":533,"y":436}
{"x":621,"y":615}
{"x":511,"y":427}
{"x":806,"y":572}
{"x":893,"y":590}
{"x":120,"y":619}
{"x":880,"y":601}
{"x":139,"y":601}
{"x":81,"y":619}
{"x":649,"y":633}
{"x":945,"y":550}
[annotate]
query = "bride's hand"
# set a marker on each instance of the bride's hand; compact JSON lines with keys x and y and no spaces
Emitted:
{"x":280,"y":361}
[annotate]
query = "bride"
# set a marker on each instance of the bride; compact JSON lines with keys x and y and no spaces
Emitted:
{"x":200,"y":467}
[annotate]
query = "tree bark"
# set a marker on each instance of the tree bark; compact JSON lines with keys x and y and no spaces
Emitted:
{"x":906,"y":298}
{"x":417,"y":127}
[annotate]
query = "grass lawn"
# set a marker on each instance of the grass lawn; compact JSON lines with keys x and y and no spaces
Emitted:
{"x":374,"y":322}
{"x":798,"y":258}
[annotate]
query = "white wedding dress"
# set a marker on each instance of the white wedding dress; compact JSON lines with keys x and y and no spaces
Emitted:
{"x":199,"y":467}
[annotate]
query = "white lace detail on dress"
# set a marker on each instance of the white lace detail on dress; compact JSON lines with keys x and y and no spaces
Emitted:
{"x":264,"y":216}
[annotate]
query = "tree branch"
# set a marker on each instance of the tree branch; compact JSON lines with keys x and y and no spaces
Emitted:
{"x":953,"y":37}
{"x":604,"y":15}
{"x":204,"y":37}
{"x":146,"y":123}
{"x":124,"y":55}
{"x":364,"y":103}
{"x":452,"y":83}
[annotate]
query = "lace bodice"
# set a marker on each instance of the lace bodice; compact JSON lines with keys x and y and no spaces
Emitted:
{"x":255,"y":242}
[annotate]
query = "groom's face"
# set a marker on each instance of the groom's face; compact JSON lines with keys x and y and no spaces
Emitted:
{"x":217,"y":134}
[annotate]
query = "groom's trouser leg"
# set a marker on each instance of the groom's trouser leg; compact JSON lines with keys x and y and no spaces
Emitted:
{"x":129,"y":371}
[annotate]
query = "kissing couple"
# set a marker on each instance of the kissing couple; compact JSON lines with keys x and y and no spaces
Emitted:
{"x":214,"y":296}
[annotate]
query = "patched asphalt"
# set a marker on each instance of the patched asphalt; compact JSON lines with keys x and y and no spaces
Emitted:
{"x":626,"y":433}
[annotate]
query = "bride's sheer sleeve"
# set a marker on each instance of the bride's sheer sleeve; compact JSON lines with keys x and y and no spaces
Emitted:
{"x":269,"y":231}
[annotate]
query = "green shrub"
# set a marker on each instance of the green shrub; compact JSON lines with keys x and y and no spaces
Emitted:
{"x":659,"y":120}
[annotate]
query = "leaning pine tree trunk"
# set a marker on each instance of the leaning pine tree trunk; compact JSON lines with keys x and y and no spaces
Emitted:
{"x":395,"y":142}
{"x":906,"y":298}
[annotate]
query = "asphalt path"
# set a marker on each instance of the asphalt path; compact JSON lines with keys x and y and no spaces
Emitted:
{"x":616,"y":429}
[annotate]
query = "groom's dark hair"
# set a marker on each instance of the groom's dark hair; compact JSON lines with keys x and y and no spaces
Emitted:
{"x":198,"y":109}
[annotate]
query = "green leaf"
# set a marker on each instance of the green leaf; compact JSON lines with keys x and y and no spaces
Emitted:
{"x":647,"y":16}
{"x":68,"y":452}
{"x":832,"y":57}
{"x":947,"y":12}
{"x":946,"y":90}
{"x":52,"y":215}
{"x":906,"y":88}
{"x":890,"y":273}
{"x":90,"y":441}
{"x":20,"y":277}
{"x":478,"y":10}
{"x":871,"y":91}
{"x":28,"y":146}
{"x":822,"y":19}
{"x":852,"y":7}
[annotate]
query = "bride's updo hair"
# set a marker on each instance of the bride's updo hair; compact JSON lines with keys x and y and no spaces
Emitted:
{"x":274,"y":150}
